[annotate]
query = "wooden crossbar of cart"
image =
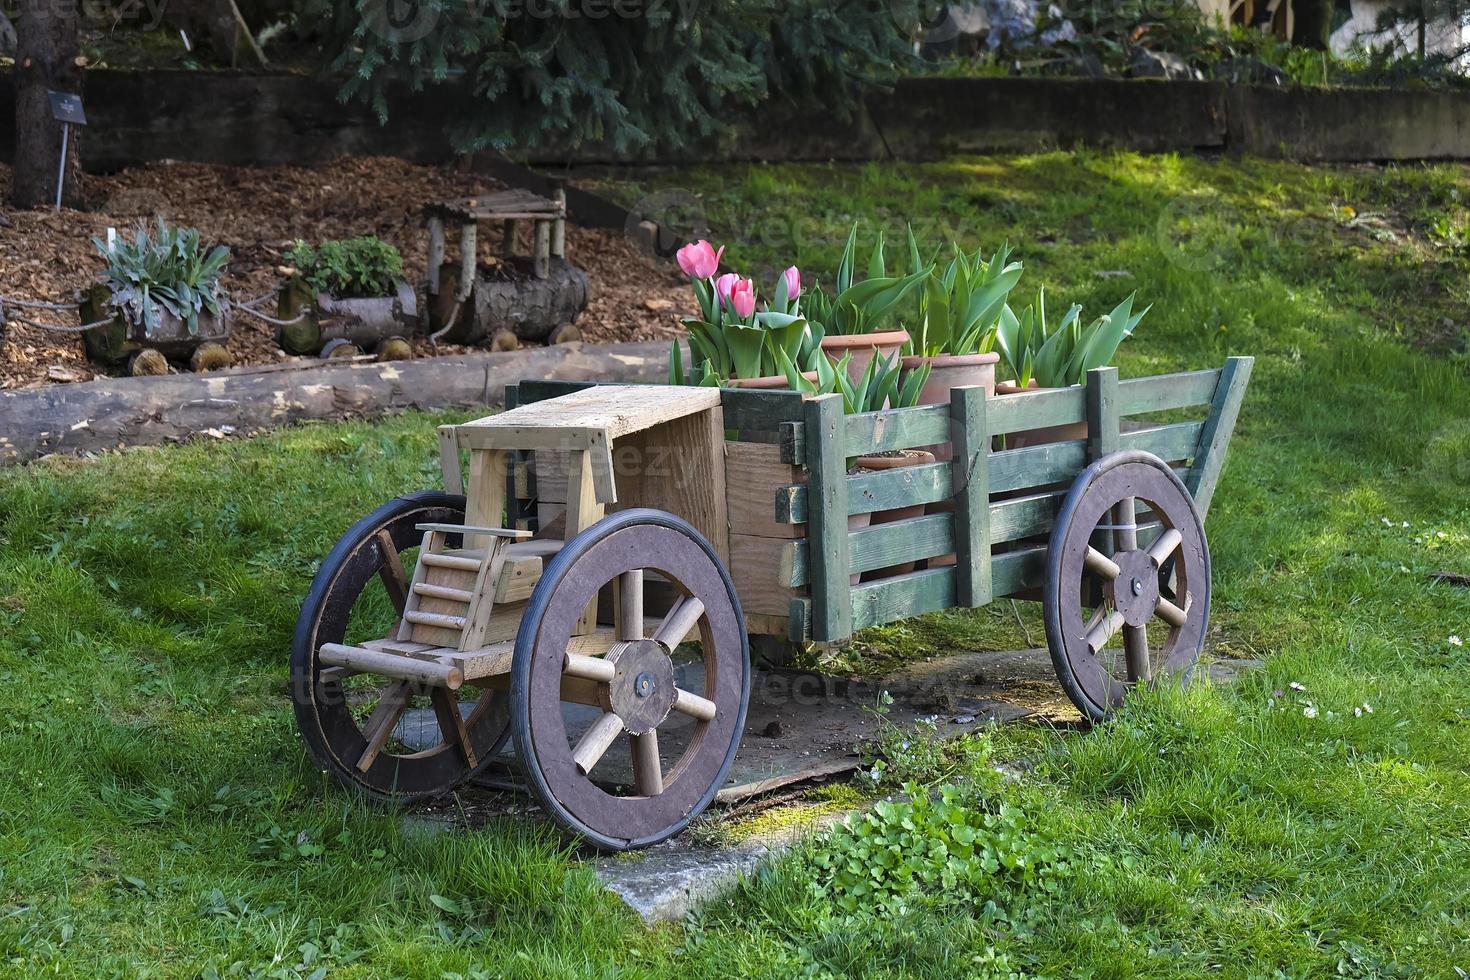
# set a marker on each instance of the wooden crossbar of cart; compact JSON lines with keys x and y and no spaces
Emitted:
{"x":587,"y":584}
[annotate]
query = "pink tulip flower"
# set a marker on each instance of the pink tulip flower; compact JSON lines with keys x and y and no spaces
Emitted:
{"x":742,"y":298}
{"x":699,"y":260}
{"x":793,"y":283}
{"x":723,"y":284}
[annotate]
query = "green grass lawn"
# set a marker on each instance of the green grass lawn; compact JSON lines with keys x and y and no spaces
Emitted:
{"x":160,"y":817}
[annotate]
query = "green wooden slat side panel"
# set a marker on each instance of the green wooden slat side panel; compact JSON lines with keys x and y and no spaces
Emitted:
{"x":827,"y":491}
{"x":1103,"y":417}
{"x":1164,"y":392}
{"x":1171,"y":443}
{"x":899,"y":428}
{"x":1037,"y":466}
{"x":1214,"y":439}
{"x":1023,"y":516}
{"x":534,"y":390}
{"x":970,"y":472}
{"x":902,"y":596}
{"x":888,"y":489}
{"x":1035,"y":409}
{"x":879,"y":546}
{"x":1017,"y":571}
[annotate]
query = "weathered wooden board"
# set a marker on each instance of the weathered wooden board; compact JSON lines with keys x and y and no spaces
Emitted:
{"x":753,"y":475}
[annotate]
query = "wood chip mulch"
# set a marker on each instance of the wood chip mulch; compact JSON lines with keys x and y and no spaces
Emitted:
{"x":259,"y":212}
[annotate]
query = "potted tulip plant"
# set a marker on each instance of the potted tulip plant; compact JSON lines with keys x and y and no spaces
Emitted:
{"x":959,"y":310}
{"x":853,"y":316}
{"x":731,"y":342}
{"x":1035,"y":355}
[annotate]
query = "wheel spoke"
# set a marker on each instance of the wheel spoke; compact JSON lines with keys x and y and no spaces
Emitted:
{"x":1097,"y":637}
{"x":380,"y":724}
{"x":1100,"y":564}
{"x":395,"y":579}
{"x":630,"y":605}
{"x":1171,"y":613}
{"x":451,"y":723}
{"x":693,"y":705}
{"x":679,"y":622}
{"x":1165,"y":546}
{"x":1125,"y":518}
{"x":589,"y":668}
{"x":597,"y":740}
{"x":1135,"y":649}
{"x":648,"y":772}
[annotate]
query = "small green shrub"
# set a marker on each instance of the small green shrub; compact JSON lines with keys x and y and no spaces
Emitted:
{"x":361,"y":267}
{"x":940,"y":850}
{"x":170,"y":269}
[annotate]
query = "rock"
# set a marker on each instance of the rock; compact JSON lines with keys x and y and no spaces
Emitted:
{"x":1159,"y":64}
{"x":773,"y":730}
{"x":1087,"y":65}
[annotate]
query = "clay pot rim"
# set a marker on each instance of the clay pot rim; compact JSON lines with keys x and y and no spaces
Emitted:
{"x":883,"y":338}
{"x":1011,"y":388}
{"x":770,"y":381}
{"x":950,"y":360}
{"x":910,"y":457}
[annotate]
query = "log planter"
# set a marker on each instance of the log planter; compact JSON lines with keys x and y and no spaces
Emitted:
{"x":118,"y":341}
{"x":365,"y":322}
{"x":509,"y":300}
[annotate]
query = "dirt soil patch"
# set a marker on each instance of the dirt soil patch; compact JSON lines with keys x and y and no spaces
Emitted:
{"x":259,"y":212}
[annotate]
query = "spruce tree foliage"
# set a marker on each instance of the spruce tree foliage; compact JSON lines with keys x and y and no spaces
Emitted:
{"x":628,"y":73}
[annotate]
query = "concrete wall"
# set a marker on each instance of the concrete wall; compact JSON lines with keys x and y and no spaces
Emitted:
{"x":263,"y":118}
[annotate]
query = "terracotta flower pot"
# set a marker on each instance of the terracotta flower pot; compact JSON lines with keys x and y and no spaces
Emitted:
{"x":904,"y":458}
{"x":948,"y":371}
{"x":1045,"y":434}
{"x":861,"y":346}
{"x":769,"y":381}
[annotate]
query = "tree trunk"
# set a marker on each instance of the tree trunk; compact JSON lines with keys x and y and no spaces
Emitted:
{"x":46,"y":58}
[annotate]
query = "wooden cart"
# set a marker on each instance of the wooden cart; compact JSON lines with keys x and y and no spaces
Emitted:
{"x":592,"y":594}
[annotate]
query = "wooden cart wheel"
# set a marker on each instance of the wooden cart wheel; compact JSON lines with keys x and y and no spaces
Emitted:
{"x":383,"y":736}
{"x":654,"y":733}
{"x":1111,"y":617}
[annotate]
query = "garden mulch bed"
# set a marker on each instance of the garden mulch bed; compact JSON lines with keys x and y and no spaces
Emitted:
{"x":258,"y":212}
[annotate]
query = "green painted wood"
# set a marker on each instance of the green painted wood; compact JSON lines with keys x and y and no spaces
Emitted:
{"x":791,"y":437}
{"x":827,"y":497}
{"x":1024,"y":516}
{"x":897,"y":428}
{"x":889,"y":489}
{"x":760,"y":410}
{"x":1171,"y":443}
{"x":902,"y":596}
{"x":1037,"y":466}
{"x":539,"y":391}
{"x":970,"y":476}
{"x":879,"y":546}
{"x":1214,"y":440}
{"x":799,"y":621}
{"x":1036,"y":409}
{"x":1164,"y":392}
{"x":1018,"y":572}
{"x":791,"y":504}
{"x":1104,"y":420}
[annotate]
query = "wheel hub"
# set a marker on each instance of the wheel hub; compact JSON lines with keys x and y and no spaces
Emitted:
{"x":642,"y":689}
{"x":1135,"y":592}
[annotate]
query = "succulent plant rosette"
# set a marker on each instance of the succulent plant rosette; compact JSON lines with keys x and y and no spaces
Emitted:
{"x":733,"y":339}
